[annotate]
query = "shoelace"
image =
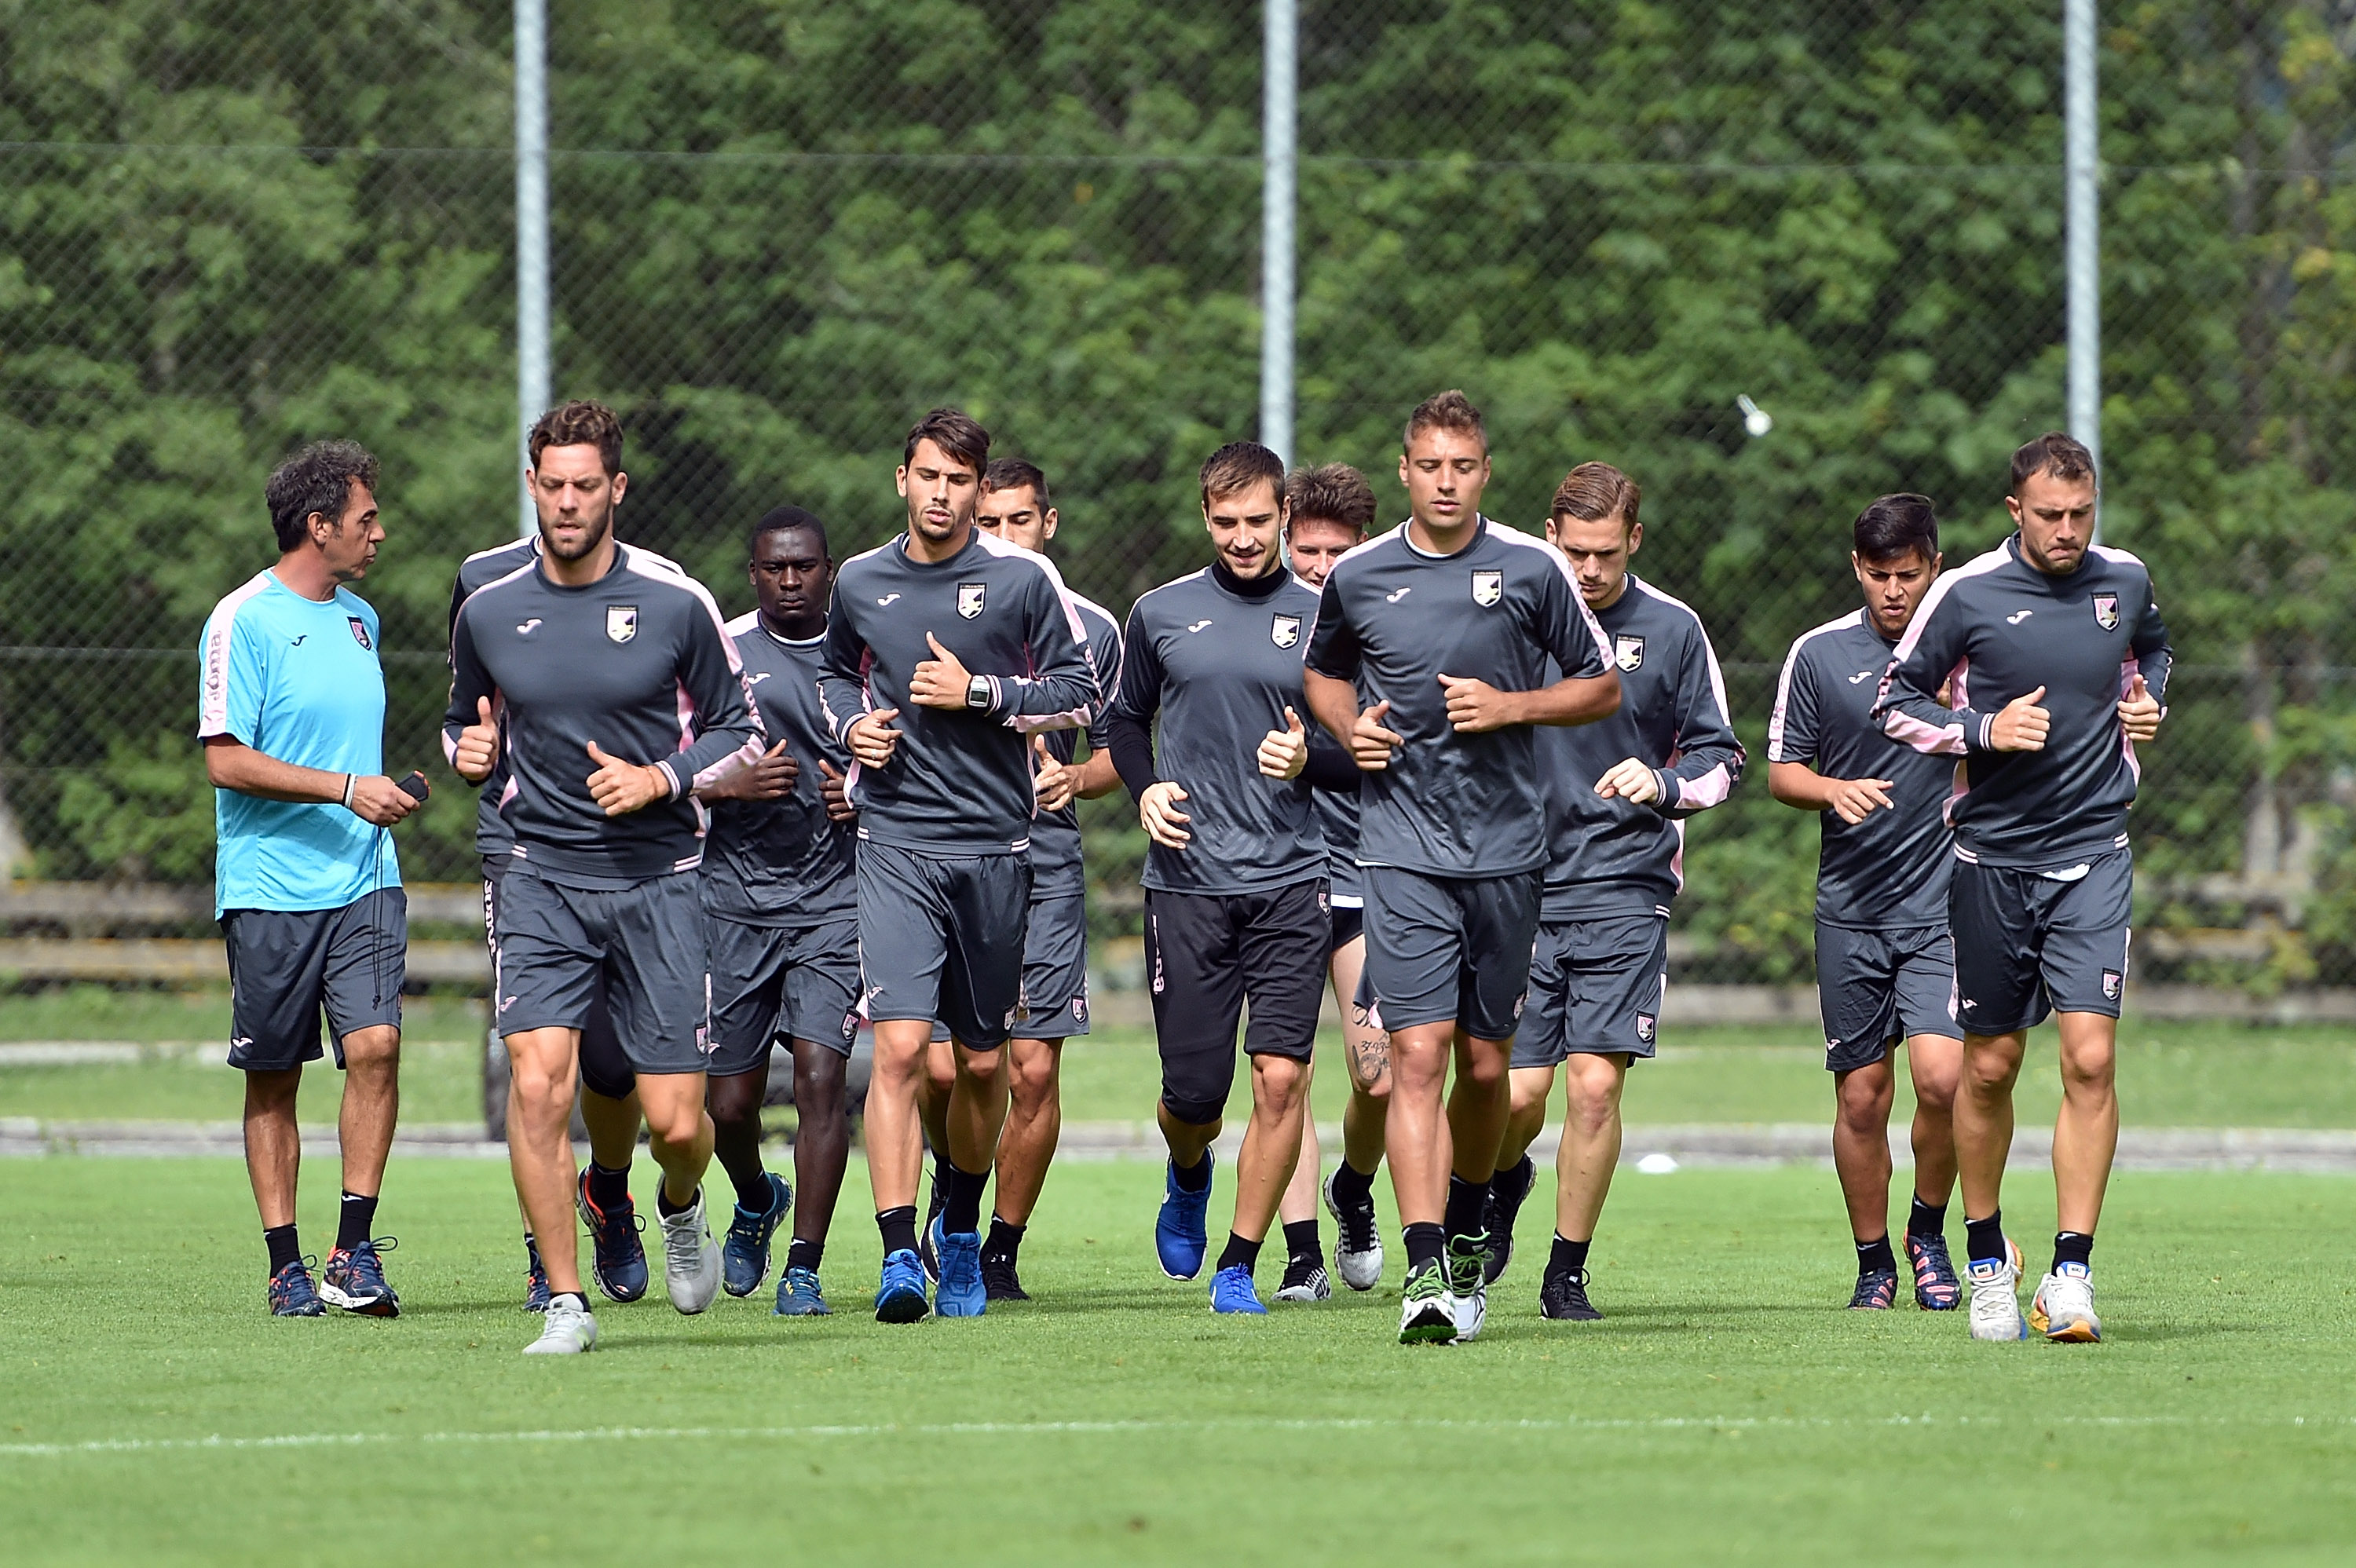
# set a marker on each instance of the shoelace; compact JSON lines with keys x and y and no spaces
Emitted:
{"x":682,"y":1244}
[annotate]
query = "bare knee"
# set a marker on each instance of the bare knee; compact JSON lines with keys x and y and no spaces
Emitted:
{"x":735,"y":1102}
{"x":1592,"y":1093}
{"x":1279,"y":1083}
{"x":675,"y":1125}
{"x":1032,"y":1078}
{"x":272,"y":1094}
{"x":818,"y":1083}
{"x":977,"y":1069}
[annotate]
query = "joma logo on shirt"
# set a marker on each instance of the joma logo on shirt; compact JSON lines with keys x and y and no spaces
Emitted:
{"x":1396,"y":594}
{"x":1196,"y":626}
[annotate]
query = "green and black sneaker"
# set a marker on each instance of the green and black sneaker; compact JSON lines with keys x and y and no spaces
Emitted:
{"x":1427,"y":1309}
{"x":1468,"y":1282}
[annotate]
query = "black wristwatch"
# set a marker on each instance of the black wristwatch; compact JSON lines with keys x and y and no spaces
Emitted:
{"x":977,"y":693}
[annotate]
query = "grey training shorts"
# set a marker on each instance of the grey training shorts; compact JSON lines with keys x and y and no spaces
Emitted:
{"x":941,"y":937}
{"x":801,"y":981}
{"x":1443,"y":948}
{"x":286,"y":966}
{"x":1595,"y":988}
{"x":2031,"y":944}
{"x":1877,"y":987}
{"x":646,"y":941}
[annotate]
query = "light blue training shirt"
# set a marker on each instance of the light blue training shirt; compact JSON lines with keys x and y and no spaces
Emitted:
{"x":299,"y":680}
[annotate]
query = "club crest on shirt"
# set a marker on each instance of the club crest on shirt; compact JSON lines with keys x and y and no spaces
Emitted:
{"x":621,"y":623}
{"x":969,"y":598}
{"x":1284,"y":631}
{"x":1488,"y":587}
{"x":359,"y":631}
{"x":1628,"y":653}
{"x":2106,"y":611}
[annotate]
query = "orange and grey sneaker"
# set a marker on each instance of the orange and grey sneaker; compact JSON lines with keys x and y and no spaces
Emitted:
{"x":354,"y":1280}
{"x":291,"y":1294}
{"x":2063,"y":1308}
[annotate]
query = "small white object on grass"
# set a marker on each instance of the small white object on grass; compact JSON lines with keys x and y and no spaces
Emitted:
{"x":1755,"y":419}
{"x":1657,"y":1164}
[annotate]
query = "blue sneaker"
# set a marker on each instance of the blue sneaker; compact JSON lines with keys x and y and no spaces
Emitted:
{"x":960,"y":1292}
{"x":1178,"y":1239}
{"x":618,"y":1259}
{"x":901,"y":1297}
{"x":292,"y":1294}
{"x":354,"y":1280}
{"x":535,"y":1277}
{"x":744,"y":1250}
{"x":1232,"y":1291}
{"x":799,"y":1296}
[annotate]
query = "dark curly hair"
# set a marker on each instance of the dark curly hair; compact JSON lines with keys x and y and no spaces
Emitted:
{"x":316,"y":479}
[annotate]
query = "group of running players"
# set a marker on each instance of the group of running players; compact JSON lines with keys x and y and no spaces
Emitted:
{"x":1444,"y":769}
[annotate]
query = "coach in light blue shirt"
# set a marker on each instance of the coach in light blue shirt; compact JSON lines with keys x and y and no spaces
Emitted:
{"x":307,"y":885}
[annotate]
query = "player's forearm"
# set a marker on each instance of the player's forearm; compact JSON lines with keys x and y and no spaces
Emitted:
{"x":1703,"y":778}
{"x":1332,"y":703}
{"x":1908,"y":717}
{"x":233,"y":765}
{"x":1800,"y":787}
{"x":1098,"y":776}
{"x":719,"y":755}
{"x":1051,"y":702}
{"x":1132,"y":752}
{"x":1576,"y":699}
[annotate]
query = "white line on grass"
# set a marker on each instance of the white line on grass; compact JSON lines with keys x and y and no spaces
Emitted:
{"x":1052,"y":1428}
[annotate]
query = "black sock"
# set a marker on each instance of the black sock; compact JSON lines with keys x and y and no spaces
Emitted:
{"x":961,"y":1199}
{"x":1468,"y":1205}
{"x":1984,"y":1239}
{"x":1301,"y":1239}
{"x":284,"y":1248}
{"x":665,"y":1208}
{"x":756,"y":1196}
{"x":1004,"y":1241}
{"x":354,"y":1220}
{"x":805,"y":1254}
{"x":1927,"y":1220}
{"x":1875,"y":1257}
{"x":580,"y":1296}
{"x":899,"y":1228}
{"x":1192,"y":1177}
{"x":1240,"y":1253}
{"x":1515,"y":1179}
{"x":1568,"y":1257}
{"x":1351,"y":1188}
{"x":1425,"y":1242}
{"x":609,"y":1189}
{"x":2072,"y":1247}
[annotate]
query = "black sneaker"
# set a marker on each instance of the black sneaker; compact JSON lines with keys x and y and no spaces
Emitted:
{"x":1563,"y":1297}
{"x":924,"y":1253}
{"x":1508,"y":1188}
{"x":1000,"y":1279}
{"x":1304,"y":1280}
{"x":1876,"y":1291}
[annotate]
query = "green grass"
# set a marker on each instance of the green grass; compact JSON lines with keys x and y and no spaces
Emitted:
{"x":1726,"y":1407}
{"x":2169,"y":1075}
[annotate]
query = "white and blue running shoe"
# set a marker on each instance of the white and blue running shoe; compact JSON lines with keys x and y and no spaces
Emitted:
{"x":1995,"y":1286}
{"x":1179,"y":1237}
{"x":960,"y":1292}
{"x":900,"y":1299}
{"x":1232,"y":1291}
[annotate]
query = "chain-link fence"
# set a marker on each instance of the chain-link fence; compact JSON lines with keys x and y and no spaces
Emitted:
{"x":781,"y":229}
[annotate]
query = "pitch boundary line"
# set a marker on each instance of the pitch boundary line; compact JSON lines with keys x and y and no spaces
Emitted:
{"x":1058,"y":1428}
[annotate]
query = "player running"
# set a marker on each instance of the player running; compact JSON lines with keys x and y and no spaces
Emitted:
{"x":1235,"y":879}
{"x":1447,"y":622}
{"x":1017,"y":506}
{"x":1332,"y":508}
{"x":2053,"y":657}
{"x":609,"y":1090}
{"x":1618,"y":793}
{"x":564,"y":670}
{"x":946,"y":649}
{"x":307,"y":889}
{"x":781,"y":897}
{"x":1885,"y":964}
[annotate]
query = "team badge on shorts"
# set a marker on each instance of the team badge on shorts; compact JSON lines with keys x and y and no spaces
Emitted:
{"x":969,"y":598}
{"x":850,"y":1027}
{"x":1284,"y":631}
{"x":1488,"y":587}
{"x":1628,"y":653}
{"x":621,"y":623}
{"x":359,"y":631}
{"x":1645,"y":1028}
{"x":1080,"y":1009}
{"x":2111,"y":982}
{"x":2106,"y":611}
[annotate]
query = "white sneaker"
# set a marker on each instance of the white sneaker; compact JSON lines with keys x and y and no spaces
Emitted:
{"x":1357,"y":1243}
{"x":690,"y":1259}
{"x":1468,"y":1285}
{"x":567,"y":1330}
{"x":2063,"y":1308}
{"x":1995,"y":1300}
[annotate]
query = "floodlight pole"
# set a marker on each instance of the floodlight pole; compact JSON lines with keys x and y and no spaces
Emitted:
{"x":1280,"y":141}
{"x":531,"y":236}
{"x":2083,"y":261}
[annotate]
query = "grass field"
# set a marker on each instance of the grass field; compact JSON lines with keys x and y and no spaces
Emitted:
{"x":1726,"y":1407}
{"x":2169,"y":1075}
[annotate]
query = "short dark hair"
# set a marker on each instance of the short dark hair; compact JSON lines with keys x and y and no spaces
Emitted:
{"x":1451,"y":410}
{"x":780,"y":520}
{"x":1594,"y":491}
{"x":1331,"y":493}
{"x":1016,"y":474}
{"x":2062,"y":455}
{"x":1895,"y":526}
{"x":583,"y":421}
{"x":316,"y":479}
{"x":955,"y":433}
{"x":1239,"y":466}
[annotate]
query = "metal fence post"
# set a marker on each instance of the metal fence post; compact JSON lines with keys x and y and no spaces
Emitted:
{"x":1280,"y":138}
{"x":531,"y":235}
{"x":2082,"y":259}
